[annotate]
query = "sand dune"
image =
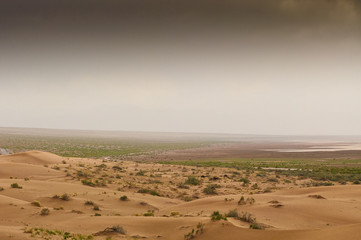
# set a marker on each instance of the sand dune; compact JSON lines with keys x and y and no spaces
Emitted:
{"x":335,"y":215}
{"x":32,"y":157}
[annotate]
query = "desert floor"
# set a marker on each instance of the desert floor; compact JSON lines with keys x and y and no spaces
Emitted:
{"x":45,"y":196}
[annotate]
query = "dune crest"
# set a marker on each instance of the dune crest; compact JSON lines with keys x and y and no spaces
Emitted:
{"x":32,"y":157}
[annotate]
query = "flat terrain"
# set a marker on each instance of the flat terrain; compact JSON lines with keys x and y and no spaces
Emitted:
{"x":212,"y":188}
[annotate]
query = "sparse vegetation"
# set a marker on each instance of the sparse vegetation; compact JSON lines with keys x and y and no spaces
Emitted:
{"x":16,"y":185}
{"x":192,"y":181}
{"x":150,"y":213}
{"x":36,"y":203}
{"x":44,"y":212}
{"x":211,"y":189}
{"x":216,"y":216}
{"x":149,"y":191}
{"x":49,"y":234}
{"x":195,"y":232}
{"x":124,"y":198}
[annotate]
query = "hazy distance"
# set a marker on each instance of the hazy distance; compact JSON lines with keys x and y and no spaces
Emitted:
{"x":252,"y":67}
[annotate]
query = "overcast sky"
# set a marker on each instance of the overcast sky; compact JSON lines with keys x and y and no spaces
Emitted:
{"x":227,"y":66}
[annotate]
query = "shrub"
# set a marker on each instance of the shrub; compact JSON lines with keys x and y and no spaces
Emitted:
{"x":15,"y":185}
{"x":250,"y":200}
{"x":140,"y":173}
{"x":150,"y":213}
{"x":118,"y":229}
{"x":211,"y":189}
{"x":256,"y":226}
{"x":44,"y":212}
{"x":96,"y":208}
{"x":65,"y":197}
{"x":88,"y":183}
{"x":356,"y":182}
{"x":241,"y":201}
{"x":192,"y":181}
{"x":247,"y":217}
{"x":89,"y":203}
{"x":151,"y":192}
{"x":244,"y":180}
{"x":174,"y":214}
{"x":124,"y":198}
{"x":1,"y":189}
{"x":182,"y":185}
{"x":316,"y":196}
{"x":216,"y":216}
{"x":36,"y":203}
{"x":233,"y":214}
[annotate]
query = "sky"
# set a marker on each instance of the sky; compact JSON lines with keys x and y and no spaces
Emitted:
{"x":280,"y":67}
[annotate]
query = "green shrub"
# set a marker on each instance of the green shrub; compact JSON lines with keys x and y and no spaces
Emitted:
{"x":88,"y":183}
{"x":124,"y":198}
{"x":151,"y":192}
{"x":211,"y":189}
{"x":44,"y":212}
{"x":192,"y":181}
{"x":241,"y":201}
{"x":15,"y":185}
{"x":256,"y":226}
{"x":149,"y":213}
{"x":233,"y":214}
{"x":89,"y":203}
{"x":65,"y":197}
{"x":216,"y":216}
{"x":245,"y":180}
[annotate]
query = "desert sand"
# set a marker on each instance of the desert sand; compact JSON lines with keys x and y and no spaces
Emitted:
{"x":96,"y":210}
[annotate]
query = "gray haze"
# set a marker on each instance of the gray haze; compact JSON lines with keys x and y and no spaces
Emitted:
{"x":253,"y":67}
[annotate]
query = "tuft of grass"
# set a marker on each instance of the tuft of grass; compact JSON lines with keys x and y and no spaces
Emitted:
{"x":36,"y":203}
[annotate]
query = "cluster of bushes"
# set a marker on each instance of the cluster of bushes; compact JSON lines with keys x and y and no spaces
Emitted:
{"x":149,"y":191}
{"x":64,"y":197}
{"x":211,"y":189}
{"x":216,"y":216}
{"x":192,"y":181}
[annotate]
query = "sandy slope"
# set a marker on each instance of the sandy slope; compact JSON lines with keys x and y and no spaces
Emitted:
{"x":338,"y":216}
